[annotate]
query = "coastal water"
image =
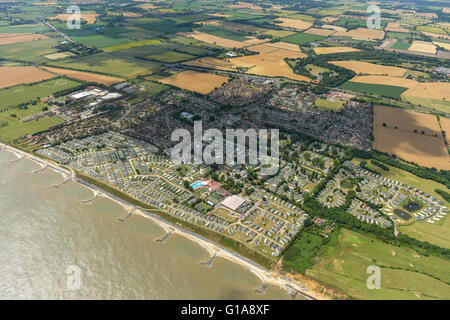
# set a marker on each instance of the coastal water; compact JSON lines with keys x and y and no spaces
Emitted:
{"x":49,"y":240}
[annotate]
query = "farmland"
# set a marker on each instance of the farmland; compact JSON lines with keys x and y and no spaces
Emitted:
{"x":85,"y":76}
{"x":329,"y":50}
{"x":410,"y":136}
{"x":11,"y":76}
{"x":302,"y":38}
{"x":370,"y":68}
{"x":378,"y":89}
{"x":25,"y":93}
{"x":199,"y":82}
{"x":109,"y":64}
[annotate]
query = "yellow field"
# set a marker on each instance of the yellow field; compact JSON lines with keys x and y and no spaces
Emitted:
{"x":329,"y":19}
{"x":444,"y":45}
{"x":131,"y":14}
{"x":244,"y":5}
{"x":222,"y":42}
{"x":335,"y":28}
{"x":294,"y":23}
{"x":370,"y":68}
{"x":8,"y":38}
{"x":362,"y":34}
{"x":396,"y":27}
{"x":89,"y":17}
{"x":320,"y":32}
{"x":432,"y":90}
{"x":220,"y":15}
{"x":422,"y":46}
{"x":213,"y":63}
{"x":436,"y":35}
{"x":446,"y":10}
{"x":11,"y":76}
{"x":279,"y":33}
{"x":423,"y":149}
{"x":195,"y":81}
{"x":328,"y":50}
{"x":270,"y":60}
{"x":59,"y":55}
{"x":86,"y":76}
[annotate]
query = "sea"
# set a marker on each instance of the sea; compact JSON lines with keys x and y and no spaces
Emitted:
{"x":54,"y":246}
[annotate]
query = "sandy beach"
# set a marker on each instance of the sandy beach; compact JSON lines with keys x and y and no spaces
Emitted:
{"x":266,"y":276}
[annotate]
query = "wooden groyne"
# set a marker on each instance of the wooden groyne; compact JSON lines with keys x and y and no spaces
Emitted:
{"x":89,"y":201}
{"x":262,"y":289}
{"x":62,"y":183}
{"x":122,"y":220}
{"x":164,"y":238}
{"x":40,"y":170}
{"x":17,"y":160}
{"x":210,"y":260}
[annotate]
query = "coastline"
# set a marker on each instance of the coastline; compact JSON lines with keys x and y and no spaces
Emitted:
{"x":266,"y":276}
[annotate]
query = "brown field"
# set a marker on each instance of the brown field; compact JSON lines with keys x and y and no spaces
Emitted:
{"x":320,"y":32}
{"x":432,"y":90}
{"x":131,"y":14}
{"x":436,"y":35}
{"x":328,"y":50}
{"x":396,"y":27}
{"x":422,"y":46}
{"x":244,"y":5}
{"x":58,"y":55}
{"x":329,"y":19}
{"x":294,"y":23}
{"x":195,"y":81}
{"x":335,"y":28}
{"x":86,"y":76}
{"x":362,"y":34}
{"x":89,"y":17}
{"x":221,"y":15}
{"x":423,"y":149}
{"x":11,"y":76}
{"x":445,"y":123}
{"x":270,"y":61}
{"x":212,"y":63}
{"x":370,"y":68}
{"x":218,"y":41}
{"x":7,"y":38}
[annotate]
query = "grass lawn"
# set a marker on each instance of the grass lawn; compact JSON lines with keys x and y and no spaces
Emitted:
{"x":315,"y":70}
{"x":434,"y":233}
{"x":302,"y":38}
{"x":330,"y":105}
{"x":110,"y":64}
{"x":24,"y":93}
{"x":404,"y":273}
{"x":378,"y":89}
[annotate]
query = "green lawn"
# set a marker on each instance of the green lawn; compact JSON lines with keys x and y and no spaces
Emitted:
{"x":330,"y":105}
{"x":402,"y":45}
{"x":404,"y":273}
{"x":302,"y":38}
{"x":378,"y":89}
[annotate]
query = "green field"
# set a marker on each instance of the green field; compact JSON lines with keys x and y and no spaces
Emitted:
{"x":330,"y":105}
{"x":170,"y":57}
{"x":431,"y":29}
{"x":378,"y":89}
{"x":434,"y":104}
{"x":100,"y":41}
{"x":24,"y":29}
{"x":300,"y":256}
{"x":404,"y":273}
{"x":110,"y":64}
{"x":302,"y":38}
{"x":25,"y":93}
{"x":31,"y":51}
{"x":15,"y":128}
{"x":402,"y":45}
{"x":223,"y":33}
{"x":134,"y":44}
